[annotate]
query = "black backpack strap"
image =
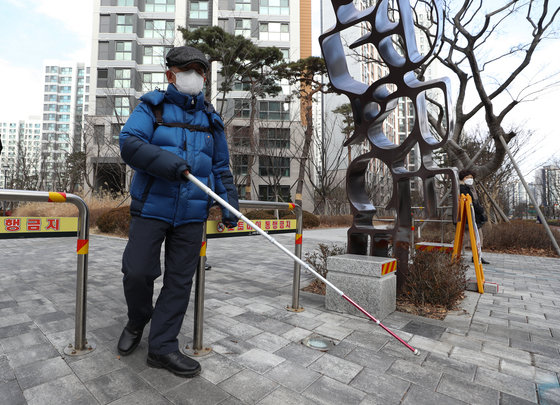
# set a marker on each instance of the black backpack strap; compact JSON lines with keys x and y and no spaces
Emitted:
{"x":158,"y":113}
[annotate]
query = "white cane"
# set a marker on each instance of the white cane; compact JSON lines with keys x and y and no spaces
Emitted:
{"x":241,"y":217}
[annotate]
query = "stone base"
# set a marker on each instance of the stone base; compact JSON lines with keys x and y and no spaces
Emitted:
{"x":360,"y":278}
{"x":490,"y":288}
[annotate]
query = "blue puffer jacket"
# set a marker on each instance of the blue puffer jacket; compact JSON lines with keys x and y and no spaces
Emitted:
{"x":160,"y":156}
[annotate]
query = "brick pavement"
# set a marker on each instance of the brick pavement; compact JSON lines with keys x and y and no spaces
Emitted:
{"x":502,"y":349}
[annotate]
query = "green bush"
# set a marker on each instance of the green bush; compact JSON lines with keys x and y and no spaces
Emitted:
{"x":116,"y":220}
{"x":435,"y":278}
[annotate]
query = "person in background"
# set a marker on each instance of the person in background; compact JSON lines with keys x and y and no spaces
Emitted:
{"x":466,"y":186}
{"x":168,"y":135}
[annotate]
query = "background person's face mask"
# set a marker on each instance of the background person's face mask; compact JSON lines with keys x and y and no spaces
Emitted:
{"x":189,"y":82}
{"x":469,"y":182}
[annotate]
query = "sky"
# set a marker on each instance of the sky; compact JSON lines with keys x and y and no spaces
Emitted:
{"x":32,"y":31}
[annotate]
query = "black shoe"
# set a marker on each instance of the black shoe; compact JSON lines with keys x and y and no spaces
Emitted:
{"x":176,"y":362}
{"x":207,"y":267}
{"x":130,"y":339}
{"x":484,"y":261}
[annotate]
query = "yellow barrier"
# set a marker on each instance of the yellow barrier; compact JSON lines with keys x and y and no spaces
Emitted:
{"x":17,"y":227}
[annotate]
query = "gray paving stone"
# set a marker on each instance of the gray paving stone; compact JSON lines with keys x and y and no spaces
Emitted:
{"x":382,"y":388}
{"x":474,"y":357}
{"x":196,"y":391}
{"x":424,"y":329}
{"x":259,"y":360}
{"x":418,"y":395}
{"x":142,"y":397}
{"x":248,"y":386}
{"x":39,"y":372}
{"x":549,"y":393}
{"x":414,"y":373}
{"x":505,"y":383}
{"x":444,"y":364}
{"x":467,"y":391}
{"x":110,"y":387}
{"x":369,"y":358}
{"x":268,"y":341}
{"x":284,"y":396}
{"x":328,"y":391}
{"x":31,"y":354}
{"x":506,"y":399}
{"x":96,"y":364}
{"x":161,"y":379}
{"x":293,"y":376}
{"x":6,"y":372}
{"x":217,"y":368}
{"x":66,"y":390}
{"x":11,"y":394}
{"x":299,"y":354}
{"x":336,"y":368}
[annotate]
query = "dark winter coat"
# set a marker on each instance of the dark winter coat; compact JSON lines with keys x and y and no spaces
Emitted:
{"x":159,"y":158}
{"x":480,"y":216}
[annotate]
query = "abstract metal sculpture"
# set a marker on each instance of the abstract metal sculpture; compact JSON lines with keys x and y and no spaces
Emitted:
{"x":371,"y":105}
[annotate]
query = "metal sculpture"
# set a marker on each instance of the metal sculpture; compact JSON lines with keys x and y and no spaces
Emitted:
{"x":371,"y":105}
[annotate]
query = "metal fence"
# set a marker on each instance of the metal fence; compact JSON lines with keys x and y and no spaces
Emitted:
{"x":198,"y":348}
{"x":81,"y":345}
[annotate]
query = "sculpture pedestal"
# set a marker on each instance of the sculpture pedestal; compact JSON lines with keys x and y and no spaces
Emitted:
{"x":370,"y":281}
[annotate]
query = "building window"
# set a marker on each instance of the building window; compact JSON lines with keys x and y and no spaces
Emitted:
{"x":239,"y":85}
{"x":160,"y":6}
{"x":122,"y":106}
{"x":242,"y":5}
{"x":98,"y":134}
{"x":159,"y":29}
{"x":151,"y":81}
{"x":65,"y":89}
{"x":123,"y":50}
{"x":242,"y":108}
{"x":269,"y":31}
{"x":274,"y":137}
{"x":243,"y":27}
{"x":125,"y":3}
{"x":124,"y":23}
{"x":115,"y":132}
{"x":122,"y":78}
{"x":274,"y":166}
{"x":199,"y":10}
{"x":154,"y":55}
{"x":274,"y":110}
{"x":240,"y":164}
{"x":285,"y":53}
{"x":269,"y":193}
{"x":240,"y":136}
{"x":274,"y":7}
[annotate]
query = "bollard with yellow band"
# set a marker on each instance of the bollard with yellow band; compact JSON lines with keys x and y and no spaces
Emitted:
{"x":83,"y":247}
{"x":57,"y":197}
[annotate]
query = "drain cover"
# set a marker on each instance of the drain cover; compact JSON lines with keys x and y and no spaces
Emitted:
{"x":318,"y":342}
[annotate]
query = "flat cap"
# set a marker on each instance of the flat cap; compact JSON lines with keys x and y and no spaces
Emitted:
{"x":183,"y":55}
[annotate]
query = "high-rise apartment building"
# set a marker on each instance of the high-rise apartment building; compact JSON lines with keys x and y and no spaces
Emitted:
{"x":20,"y":158}
{"x":65,"y":102}
{"x":130,"y":41}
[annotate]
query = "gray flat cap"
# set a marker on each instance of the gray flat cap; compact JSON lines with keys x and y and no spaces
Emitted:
{"x":183,"y":55}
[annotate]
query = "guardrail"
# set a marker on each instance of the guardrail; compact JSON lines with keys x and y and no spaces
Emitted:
{"x":81,"y":345}
{"x":198,"y":348}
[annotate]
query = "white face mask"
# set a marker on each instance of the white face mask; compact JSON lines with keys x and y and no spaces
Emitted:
{"x":469,"y":182}
{"x":189,"y":82}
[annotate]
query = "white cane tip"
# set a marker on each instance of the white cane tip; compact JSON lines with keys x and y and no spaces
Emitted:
{"x":416,"y":352}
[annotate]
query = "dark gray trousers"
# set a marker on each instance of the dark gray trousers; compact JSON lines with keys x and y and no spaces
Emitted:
{"x":141,"y":266}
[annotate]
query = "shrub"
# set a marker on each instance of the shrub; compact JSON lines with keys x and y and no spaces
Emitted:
{"x":435,"y":278}
{"x":116,"y":220}
{"x":318,"y":258}
{"x":518,"y":235}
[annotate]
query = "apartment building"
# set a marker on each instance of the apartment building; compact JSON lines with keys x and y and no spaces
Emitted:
{"x":65,"y":103}
{"x":20,"y":157}
{"x":130,"y":41}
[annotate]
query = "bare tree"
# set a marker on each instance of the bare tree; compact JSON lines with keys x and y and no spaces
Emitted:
{"x":470,"y":51}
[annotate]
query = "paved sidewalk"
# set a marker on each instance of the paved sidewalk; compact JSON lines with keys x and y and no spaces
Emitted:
{"x":502,"y":349}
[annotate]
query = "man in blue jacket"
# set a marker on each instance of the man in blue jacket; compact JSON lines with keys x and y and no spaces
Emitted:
{"x":168,"y":135}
